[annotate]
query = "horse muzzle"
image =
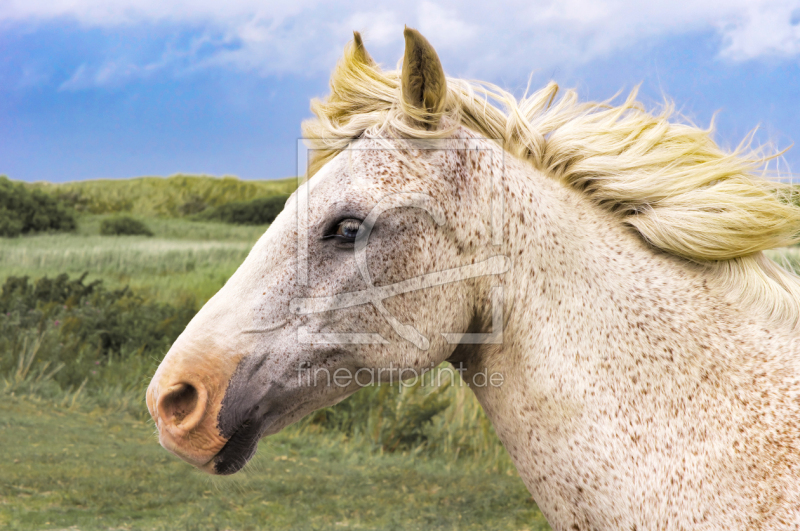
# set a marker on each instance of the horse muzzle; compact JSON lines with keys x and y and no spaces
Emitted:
{"x":185,"y":398}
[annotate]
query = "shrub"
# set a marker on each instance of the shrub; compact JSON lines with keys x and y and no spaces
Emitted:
{"x":260,"y":211}
{"x":24,"y":211}
{"x":124,"y":226}
{"x":82,"y":326}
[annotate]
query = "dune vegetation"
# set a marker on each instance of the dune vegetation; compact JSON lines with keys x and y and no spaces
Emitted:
{"x":174,"y":196}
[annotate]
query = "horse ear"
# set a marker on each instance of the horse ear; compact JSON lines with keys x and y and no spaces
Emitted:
{"x":423,"y":86}
{"x":360,"y":53}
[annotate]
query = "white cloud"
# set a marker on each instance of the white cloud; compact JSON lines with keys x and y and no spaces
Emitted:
{"x":379,"y":28}
{"x":449,"y":29}
{"x":301,"y":36}
{"x":763,"y":28}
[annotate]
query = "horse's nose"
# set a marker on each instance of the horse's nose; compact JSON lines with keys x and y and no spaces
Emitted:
{"x":185,"y":411}
{"x":186,"y":393}
{"x":181,"y":407}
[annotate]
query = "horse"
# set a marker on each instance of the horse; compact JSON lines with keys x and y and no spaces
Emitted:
{"x":606,"y":261}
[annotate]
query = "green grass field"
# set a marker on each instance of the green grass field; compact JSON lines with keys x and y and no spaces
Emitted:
{"x":67,"y":468}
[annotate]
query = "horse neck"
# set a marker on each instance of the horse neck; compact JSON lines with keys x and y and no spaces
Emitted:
{"x":604,"y":336}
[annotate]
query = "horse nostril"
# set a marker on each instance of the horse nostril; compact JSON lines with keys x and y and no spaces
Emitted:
{"x":179,"y":406}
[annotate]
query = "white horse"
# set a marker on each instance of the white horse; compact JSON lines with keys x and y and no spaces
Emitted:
{"x":606,"y":263}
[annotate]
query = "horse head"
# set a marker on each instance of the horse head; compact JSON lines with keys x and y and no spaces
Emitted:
{"x":370,"y":274}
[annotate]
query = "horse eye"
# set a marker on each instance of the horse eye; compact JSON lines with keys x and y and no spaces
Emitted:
{"x":348,"y":229}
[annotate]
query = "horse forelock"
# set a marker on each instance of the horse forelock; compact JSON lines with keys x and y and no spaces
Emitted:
{"x":668,"y":180}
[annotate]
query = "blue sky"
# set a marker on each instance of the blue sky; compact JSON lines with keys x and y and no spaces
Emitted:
{"x":121,"y":88}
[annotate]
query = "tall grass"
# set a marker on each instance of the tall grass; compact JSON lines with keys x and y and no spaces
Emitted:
{"x":118,"y":257}
{"x":25,"y":377}
{"x":116,"y":386}
{"x":184,"y":259}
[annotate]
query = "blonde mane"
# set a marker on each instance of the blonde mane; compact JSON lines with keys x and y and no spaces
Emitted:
{"x":670,"y":181}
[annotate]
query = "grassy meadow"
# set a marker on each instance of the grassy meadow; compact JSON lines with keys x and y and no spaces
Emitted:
{"x":184,"y":258}
{"x":80,"y":451}
{"x":71,"y":468}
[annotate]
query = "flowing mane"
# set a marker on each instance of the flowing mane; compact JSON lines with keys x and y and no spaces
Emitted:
{"x":670,"y":181}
